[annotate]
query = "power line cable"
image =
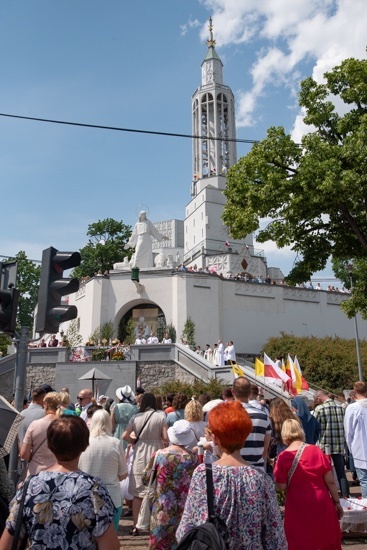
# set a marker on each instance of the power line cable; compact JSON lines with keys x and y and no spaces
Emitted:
{"x":132,"y":130}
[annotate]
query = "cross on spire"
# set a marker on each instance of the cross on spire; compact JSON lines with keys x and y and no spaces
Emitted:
{"x":211,"y":42}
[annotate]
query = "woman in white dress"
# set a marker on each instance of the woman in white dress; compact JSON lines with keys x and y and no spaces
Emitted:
{"x":105,"y":458}
{"x":150,"y":434}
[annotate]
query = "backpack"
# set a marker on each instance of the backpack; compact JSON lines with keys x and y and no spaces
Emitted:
{"x":207,"y":536}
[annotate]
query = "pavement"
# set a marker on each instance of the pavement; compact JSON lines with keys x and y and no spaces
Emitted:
{"x":128,"y":542}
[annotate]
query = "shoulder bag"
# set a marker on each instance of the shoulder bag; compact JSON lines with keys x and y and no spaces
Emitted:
{"x":18,"y":543}
{"x":295,"y":462}
{"x":211,"y":535}
{"x":145,"y":423}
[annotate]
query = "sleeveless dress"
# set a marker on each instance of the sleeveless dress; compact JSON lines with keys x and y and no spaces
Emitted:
{"x":149,"y":441}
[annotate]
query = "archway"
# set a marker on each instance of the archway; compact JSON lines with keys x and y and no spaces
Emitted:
{"x":146,"y":318}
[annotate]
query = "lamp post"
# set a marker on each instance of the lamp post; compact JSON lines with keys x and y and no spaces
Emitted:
{"x":349,"y":268}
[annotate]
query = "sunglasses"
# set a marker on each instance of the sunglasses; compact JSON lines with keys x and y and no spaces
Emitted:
{"x":81,"y":398}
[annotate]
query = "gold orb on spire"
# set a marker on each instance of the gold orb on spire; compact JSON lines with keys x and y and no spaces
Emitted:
{"x":211,"y":42}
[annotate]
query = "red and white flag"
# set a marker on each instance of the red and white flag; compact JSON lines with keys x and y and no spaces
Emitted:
{"x":272,"y":370}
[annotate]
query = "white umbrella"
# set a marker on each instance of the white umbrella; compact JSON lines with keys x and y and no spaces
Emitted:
{"x":95,"y":375}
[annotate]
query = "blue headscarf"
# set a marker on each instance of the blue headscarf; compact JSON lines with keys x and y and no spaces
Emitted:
{"x":310,"y":425}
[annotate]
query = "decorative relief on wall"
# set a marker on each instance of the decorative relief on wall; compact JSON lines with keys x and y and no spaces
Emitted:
{"x":218,"y":263}
{"x":254,"y":289}
{"x":335,"y":298}
{"x":301,"y":294}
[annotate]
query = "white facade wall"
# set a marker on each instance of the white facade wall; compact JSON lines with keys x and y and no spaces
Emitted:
{"x":247,"y":313}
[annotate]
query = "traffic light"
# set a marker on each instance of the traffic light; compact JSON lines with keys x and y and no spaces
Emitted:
{"x":8,"y":309}
{"x":51,"y":313}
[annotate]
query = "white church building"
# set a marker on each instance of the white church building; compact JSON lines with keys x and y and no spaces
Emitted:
{"x":220,"y":306}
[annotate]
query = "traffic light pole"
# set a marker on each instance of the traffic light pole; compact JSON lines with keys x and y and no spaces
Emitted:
{"x":20,"y":378}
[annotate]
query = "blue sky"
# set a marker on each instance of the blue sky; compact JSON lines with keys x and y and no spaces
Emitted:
{"x":136,"y":65}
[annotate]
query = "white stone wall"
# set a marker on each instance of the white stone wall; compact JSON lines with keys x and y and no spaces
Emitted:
{"x":246,"y":313}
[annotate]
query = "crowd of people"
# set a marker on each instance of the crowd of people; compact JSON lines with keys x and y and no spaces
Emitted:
{"x":256,"y":279}
{"x":89,"y":462}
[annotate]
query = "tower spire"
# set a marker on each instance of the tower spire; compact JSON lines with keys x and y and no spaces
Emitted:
{"x":211,"y":42}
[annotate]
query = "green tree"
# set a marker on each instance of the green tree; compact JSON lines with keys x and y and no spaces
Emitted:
{"x":28,"y":278}
{"x":129,"y":332}
{"x":313,"y":193}
{"x":106,"y":331}
{"x":188,"y":333}
{"x":71,"y":337}
{"x":172,"y":332}
{"x":105,"y":247}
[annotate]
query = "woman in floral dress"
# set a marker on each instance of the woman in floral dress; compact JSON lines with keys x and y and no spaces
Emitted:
{"x":244,"y":497}
{"x":173,"y":468}
{"x":64,"y":507}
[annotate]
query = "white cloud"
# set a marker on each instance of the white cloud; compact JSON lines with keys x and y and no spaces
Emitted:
{"x":191,"y":24}
{"x":287,"y":35}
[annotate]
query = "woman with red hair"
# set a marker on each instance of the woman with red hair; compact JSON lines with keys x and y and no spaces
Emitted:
{"x":244,"y":497}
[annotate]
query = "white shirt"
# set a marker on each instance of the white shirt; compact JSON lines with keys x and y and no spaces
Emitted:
{"x":220,"y":358}
{"x":355,"y":427}
{"x":231,"y":354}
{"x":153,"y":340}
{"x":83,"y":414}
{"x":208,"y":354}
{"x":105,"y":458}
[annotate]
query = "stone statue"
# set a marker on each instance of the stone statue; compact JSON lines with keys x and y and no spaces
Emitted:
{"x":141,"y":239}
{"x":160,"y":260}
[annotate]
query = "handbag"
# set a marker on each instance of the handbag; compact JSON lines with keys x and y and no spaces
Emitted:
{"x":18,"y":543}
{"x":211,"y":535}
{"x":143,"y":522}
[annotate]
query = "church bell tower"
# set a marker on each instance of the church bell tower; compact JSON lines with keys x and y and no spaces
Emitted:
{"x":213,"y":152}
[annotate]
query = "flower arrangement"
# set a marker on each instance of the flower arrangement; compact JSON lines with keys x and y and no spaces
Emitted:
{"x":118,"y":356}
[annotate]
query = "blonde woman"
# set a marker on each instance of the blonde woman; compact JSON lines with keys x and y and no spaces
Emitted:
{"x":105,"y":458}
{"x":312,"y":506}
{"x":65,"y":406}
{"x":34,"y":448}
{"x":194,"y":414}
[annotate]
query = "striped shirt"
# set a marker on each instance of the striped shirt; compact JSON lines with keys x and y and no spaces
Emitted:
{"x":253,"y":449}
{"x":331,"y":419}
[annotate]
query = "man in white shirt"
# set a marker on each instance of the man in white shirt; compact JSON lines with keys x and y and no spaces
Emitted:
{"x":152,"y":339}
{"x":85,"y":400}
{"x":140,"y":341}
{"x":35,"y":411}
{"x":166,"y":339}
{"x":231,"y":354}
{"x":220,"y":354}
{"x":355,"y":428}
{"x":208,"y":353}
